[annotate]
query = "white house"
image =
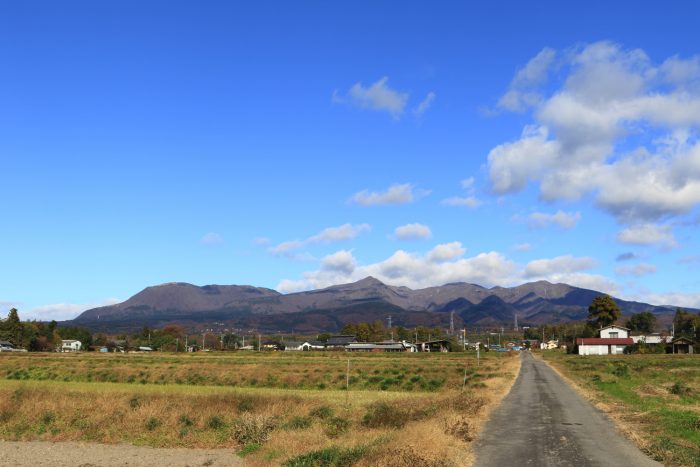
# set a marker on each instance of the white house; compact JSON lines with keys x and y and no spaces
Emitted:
{"x":296,"y":345}
{"x":549,"y":345}
{"x":70,"y":346}
{"x":655,"y":338}
{"x":612,"y":341}
{"x":6,"y":346}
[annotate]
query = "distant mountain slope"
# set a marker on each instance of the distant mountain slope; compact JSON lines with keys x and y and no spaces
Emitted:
{"x":330,"y":308}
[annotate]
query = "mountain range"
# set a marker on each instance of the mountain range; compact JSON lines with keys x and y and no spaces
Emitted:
{"x":328,"y":309}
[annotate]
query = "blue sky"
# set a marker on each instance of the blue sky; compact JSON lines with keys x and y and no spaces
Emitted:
{"x":298,"y":145}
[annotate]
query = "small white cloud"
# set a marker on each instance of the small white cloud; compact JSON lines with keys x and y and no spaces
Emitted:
{"x":564,"y":220}
{"x":378,"y":96}
{"x":542,"y":268}
{"x":396,"y":194}
{"x":468,"y":183}
{"x":261,"y":241}
{"x":329,"y":235}
{"x":424,"y":105}
{"x":648,"y":234}
{"x":521,"y":94}
{"x":62,"y":311}
{"x":412,"y":232}
{"x":446,"y":252}
{"x":522,"y":247}
{"x":637,"y":270}
{"x":462,"y":201}
{"x":212,"y":238}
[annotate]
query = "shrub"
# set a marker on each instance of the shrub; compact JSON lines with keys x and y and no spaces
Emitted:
{"x":186,"y":421}
{"x":134,"y":403}
{"x":323,"y":412}
{"x":299,"y":422}
{"x":329,"y":457}
{"x":152,"y":423}
{"x":381,"y":414}
{"x":47,"y":418}
{"x":245,"y":404}
{"x":253,"y":429}
{"x":336,"y":426}
{"x":679,"y":389}
{"x":621,"y":370}
{"x":215,"y":422}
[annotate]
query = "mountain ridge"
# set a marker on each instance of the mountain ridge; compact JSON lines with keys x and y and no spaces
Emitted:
{"x":369,"y":299}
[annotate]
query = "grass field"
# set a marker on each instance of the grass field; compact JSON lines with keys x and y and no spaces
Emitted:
{"x":274,"y":408}
{"x":654,"y":398}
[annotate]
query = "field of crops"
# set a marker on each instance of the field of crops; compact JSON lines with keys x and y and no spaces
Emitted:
{"x":273,"y":408}
{"x":654,"y":398}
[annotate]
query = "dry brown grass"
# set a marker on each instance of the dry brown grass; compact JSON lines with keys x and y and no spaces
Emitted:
{"x":436,"y":427}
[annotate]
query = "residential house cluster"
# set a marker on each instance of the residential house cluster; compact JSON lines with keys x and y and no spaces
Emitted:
{"x":349,"y":343}
{"x":614,"y":340}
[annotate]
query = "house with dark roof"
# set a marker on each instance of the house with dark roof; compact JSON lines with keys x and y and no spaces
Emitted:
{"x":682,"y":345}
{"x":6,"y":346}
{"x":339,"y":342}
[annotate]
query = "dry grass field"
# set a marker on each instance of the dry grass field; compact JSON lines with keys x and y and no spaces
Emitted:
{"x":273,"y":408}
{"x":655,"y":399}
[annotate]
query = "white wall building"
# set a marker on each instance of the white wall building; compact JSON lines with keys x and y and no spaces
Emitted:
{"x":70,"y":346}
{"x":612,"y":341}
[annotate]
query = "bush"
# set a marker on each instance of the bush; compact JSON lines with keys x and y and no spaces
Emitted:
{"x":215,"y":422}
{"x":329,"y":457}
{"x":186,"y":421}
{"x":460,"y":429}
{"x":299,"y":422}
{"x":679,"y":389}
{"x":152,"y":423}
{"x":245,"y":404}
{"x":621,"y":370}
{"x":336,"y":426}
{"x":253,"y":429}
{"x":323,"y":412}
{"x":381,"y":414}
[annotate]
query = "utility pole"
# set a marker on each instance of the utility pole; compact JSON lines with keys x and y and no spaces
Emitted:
{"x":452,"y":322}
{"x":203,"y":334}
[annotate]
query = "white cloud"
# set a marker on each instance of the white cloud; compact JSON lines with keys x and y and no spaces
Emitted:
{"x":261,"y":241}
{"x":378,"y":96}
{"x":638,"y":270}
{"x":443,"y":264}
{"x":617,"y":127}
{"x":681,"y":299}
{"x":329,"y":235}
{"x":62,"y":311}
{"x":542,"y":268}
{"x":522,"y":247}
{"x":424,"y":105}
{"x":648,"y":234}
{"x":396,"y":194}
{"x":469,"y":201}
{"x":627,"y":256}
{"x":567,"y":269}
{"x":565,"y":220}
{"x":520,"y":94}
{"x":212,"y":238}
{"x":466,"y":201}
{"x":412,"y":232}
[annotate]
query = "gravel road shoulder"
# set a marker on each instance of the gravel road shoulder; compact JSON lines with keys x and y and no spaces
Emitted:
{"x":69,"y":454}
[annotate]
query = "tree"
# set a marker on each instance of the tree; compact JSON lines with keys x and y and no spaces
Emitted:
{"x":11,"y":328}
{"x":603,"y":311}
{"x":642,"y":322}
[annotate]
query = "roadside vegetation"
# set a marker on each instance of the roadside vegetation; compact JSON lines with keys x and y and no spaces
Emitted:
{"x":654,"y":398}
{"x":274,"y":408}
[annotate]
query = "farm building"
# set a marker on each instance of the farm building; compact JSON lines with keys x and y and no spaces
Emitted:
{"x":70,"y":345}
{"x":339,"y":342}
{"x":612,"y":341}
{"x":434,"y":346}
{"x":296,"y":345}
{"x":402,"y":346}
{"x":682,"y":345}
{"x":6,"y":346}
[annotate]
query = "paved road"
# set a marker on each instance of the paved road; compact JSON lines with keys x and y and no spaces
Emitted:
{"x":543,"y":422}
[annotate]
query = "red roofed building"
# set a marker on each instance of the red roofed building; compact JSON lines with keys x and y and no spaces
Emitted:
{"x":613,"y":341}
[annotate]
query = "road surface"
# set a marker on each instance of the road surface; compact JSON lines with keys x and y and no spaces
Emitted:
{"x":544,"y":422}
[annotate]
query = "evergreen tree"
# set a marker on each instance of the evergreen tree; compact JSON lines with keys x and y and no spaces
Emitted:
{"x":603,"y":311}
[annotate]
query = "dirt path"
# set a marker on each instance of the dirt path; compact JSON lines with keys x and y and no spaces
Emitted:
{"x":544,"y":422}
{"x":70,"y":454}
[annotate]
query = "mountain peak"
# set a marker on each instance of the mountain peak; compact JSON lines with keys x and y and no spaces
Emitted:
{"x":369,"y":280}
